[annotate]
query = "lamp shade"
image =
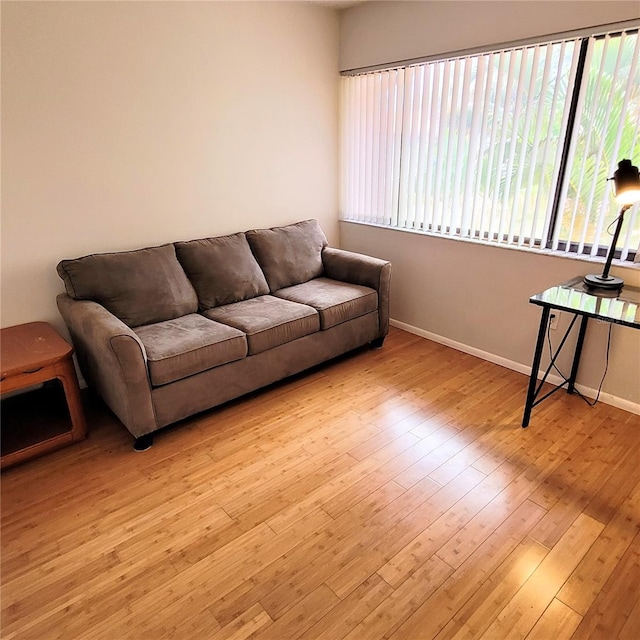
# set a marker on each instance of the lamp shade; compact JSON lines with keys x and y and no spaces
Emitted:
{"x":626,"y":183}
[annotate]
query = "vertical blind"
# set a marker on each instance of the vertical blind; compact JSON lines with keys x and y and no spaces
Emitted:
{"x":509,"y":147}
{"x":606,"y":129}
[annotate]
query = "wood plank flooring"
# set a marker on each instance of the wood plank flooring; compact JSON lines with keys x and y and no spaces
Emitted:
{"x":389,"y":494}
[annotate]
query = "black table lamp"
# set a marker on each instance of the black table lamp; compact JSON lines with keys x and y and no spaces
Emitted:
{"x":626,"y":185}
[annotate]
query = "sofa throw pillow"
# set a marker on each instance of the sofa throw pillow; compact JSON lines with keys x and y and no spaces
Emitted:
{"x":222,"y":270}
{"x":139,"y":287}
{"x":289,"y":255}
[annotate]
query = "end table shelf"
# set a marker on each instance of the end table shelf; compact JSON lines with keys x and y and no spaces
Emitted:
{"x":35,"y":354}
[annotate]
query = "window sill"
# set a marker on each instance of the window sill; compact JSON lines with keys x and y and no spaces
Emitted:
{"x":600,"y":260}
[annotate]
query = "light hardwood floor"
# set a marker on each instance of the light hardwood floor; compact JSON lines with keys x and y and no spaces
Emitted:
{"x":389,"y":494}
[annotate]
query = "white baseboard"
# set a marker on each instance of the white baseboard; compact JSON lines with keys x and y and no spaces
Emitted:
{"x":607,"y":398}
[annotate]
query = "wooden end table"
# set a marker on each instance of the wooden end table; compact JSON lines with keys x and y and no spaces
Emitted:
{"x":31,"y":354}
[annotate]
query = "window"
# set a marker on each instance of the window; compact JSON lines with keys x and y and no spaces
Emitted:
{"x":511,"y":147}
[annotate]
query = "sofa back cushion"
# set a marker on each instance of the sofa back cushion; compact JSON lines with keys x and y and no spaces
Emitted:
{"x":139,"y":287}
{"x":289,"y":255}
{"x":222,"y":270}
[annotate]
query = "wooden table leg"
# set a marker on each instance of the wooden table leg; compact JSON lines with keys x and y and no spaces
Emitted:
{"x":65,"y":372}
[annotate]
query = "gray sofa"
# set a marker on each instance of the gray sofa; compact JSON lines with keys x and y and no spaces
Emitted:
{"x":164,"y":332}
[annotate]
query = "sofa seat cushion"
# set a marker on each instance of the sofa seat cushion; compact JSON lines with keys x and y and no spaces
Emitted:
{"x":222,"y":270}
{"x":185,"y":346}
{"x":289,"y":255}
{"x":139,"y":287}
{"x":335,"y":301}
{"x":268,"y":321}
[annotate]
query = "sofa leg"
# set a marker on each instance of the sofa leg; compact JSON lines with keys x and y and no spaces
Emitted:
{"x":377,"y":343}
{"x":143,"y":442}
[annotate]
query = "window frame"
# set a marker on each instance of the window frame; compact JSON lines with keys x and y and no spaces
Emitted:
{"x":564,"y":247}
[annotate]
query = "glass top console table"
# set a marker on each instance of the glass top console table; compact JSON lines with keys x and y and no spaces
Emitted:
{"x":615,"y":307}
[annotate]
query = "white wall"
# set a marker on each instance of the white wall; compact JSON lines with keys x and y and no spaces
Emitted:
{"x":469,"y":294}
{"x":132,"y":124}
{"x":476,"y":298}
{"x":129,"y":124}
{"x":382,"y":32}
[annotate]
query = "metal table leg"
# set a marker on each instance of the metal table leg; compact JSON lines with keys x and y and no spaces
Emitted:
{"x":537,"y":357}
{"x":576,"y":356}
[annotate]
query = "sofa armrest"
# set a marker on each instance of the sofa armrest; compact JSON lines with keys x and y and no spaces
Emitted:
{"x":364,"y":270}
{"x":113,"y":361}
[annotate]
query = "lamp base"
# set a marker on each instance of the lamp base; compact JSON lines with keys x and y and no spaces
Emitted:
{"x":609,"y":283}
